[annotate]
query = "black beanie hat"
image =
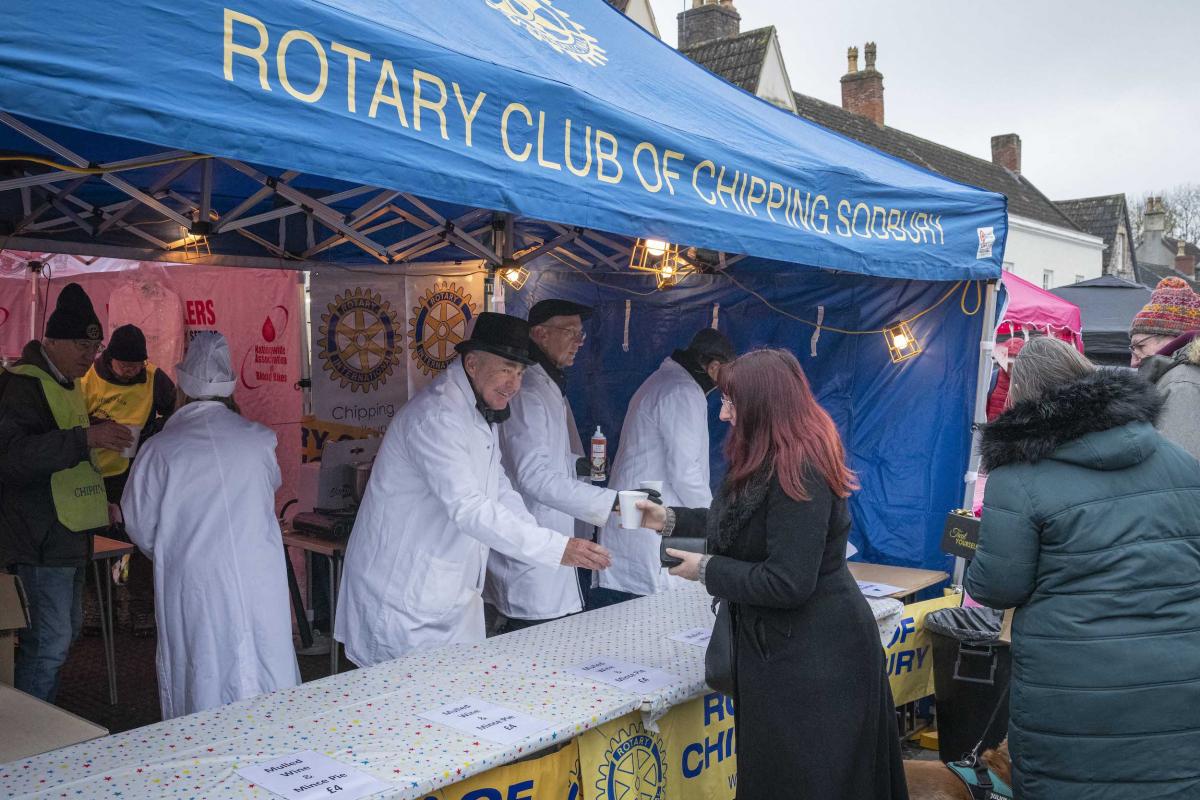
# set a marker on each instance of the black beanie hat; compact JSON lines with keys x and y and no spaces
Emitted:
{"x":127,"y":343}
{"x":74,"y":317}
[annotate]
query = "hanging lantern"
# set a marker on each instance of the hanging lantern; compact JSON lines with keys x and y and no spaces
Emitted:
{"x":195,"y":246}
{"x":902,"y":343}
{"x":513,"y":274}
{"x":673,"y":275}
{"x":653,"y":255}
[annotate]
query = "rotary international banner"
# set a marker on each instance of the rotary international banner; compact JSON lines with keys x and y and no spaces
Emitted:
{"x":909,"y":656}
{"x":692,"y":756}
{"x":358,"y":359}
{"x":443,"y":301}
{"x":378,"y":339}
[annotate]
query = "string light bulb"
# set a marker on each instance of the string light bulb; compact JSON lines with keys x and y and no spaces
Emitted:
{"x":901,"y":342}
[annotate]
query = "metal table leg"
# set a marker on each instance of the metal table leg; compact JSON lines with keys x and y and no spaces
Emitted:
{"x":103,"y":591}
{"x":333,"y":592}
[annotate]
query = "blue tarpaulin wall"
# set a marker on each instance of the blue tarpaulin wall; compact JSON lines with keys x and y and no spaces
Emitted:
{"x":906,"y":426}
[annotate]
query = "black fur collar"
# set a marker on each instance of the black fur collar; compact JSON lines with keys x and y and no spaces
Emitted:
{"x":1032,"y":430}
{"x":734,"y":511}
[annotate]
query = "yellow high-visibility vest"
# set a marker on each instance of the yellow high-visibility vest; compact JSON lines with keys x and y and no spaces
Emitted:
{"x":128,"y":405}
{"x":80,"y":501}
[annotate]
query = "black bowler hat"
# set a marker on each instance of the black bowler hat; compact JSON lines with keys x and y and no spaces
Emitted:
{"x":548,"y":309}
{"x":499,"y":334}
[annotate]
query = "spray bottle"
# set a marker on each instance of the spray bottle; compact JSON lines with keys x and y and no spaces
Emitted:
{"x":599,"y":456}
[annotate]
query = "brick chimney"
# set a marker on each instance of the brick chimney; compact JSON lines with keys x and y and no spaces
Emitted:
{"x":1184,"y":262}
{"x":1006,"y":152}
{"x":862,"y":91}
{"x":1154,"y":219}
{"x":707,"y":20}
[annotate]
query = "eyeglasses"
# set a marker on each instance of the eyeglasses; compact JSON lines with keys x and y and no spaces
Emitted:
{"x":726,"y":402}
{"x":576,"y":334}
{"x":1140,"y":345}
{"x":88,"y":345}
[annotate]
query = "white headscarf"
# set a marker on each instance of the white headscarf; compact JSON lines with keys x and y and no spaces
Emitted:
{"x":206,"y":370}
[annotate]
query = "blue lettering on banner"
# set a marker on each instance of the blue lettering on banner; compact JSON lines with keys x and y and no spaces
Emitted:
{"x":517,"y":791}
{"x":699,"y":756}
{"x":907,"y":626}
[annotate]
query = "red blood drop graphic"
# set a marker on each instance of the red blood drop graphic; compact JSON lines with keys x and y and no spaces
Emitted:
{"x":268,"y":330}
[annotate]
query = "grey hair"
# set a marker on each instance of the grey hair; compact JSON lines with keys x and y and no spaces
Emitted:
{"x":1044,"y":364}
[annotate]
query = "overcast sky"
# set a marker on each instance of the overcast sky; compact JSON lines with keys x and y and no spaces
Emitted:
{"x":1105,"y":95}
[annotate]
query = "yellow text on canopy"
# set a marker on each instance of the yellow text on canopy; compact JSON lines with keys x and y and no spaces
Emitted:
{"x":354,"y":82}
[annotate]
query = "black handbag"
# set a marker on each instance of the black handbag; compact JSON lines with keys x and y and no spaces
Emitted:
{"x":718,"y":658}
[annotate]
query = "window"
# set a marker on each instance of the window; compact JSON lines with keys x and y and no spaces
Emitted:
{"x":1080,"y":279}
{"x":1047,"y":278}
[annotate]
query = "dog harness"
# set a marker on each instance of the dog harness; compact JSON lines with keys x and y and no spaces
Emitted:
{"x":981,"y":782}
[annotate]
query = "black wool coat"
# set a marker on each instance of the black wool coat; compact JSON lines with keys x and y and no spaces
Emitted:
{"x":815,"y":717}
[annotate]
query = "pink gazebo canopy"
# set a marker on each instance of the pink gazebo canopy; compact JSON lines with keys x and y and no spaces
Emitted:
{"x":1031,"y":308}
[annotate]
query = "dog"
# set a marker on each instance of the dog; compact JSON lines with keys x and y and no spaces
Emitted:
{"x":931,"y":780}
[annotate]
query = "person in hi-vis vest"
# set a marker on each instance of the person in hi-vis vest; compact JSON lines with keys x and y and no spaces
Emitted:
{"x":122,"y":385}
{"x":52,"y":497}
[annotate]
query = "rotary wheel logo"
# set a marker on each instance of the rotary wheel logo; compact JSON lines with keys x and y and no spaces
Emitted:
{"x":438,"y":323}
{"x":634,"y":768}
{"x":544,"y":22}
{"x":359,"y":344}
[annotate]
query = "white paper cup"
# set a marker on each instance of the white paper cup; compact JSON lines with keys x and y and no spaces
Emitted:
{"x":651,"y":485}
{"x":631,"y":515}
{"x":131,"y":451}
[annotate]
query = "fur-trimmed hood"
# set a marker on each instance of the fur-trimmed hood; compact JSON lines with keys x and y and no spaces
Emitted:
{"x":1106,"y":399}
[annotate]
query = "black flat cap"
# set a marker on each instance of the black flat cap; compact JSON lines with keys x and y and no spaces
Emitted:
{"x":548,"y":309}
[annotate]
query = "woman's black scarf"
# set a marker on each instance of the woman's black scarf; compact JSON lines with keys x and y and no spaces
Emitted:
{"x":731,"y":512}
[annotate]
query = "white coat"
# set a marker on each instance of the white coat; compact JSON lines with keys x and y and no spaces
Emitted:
{"x":200,"y":504}
{"x":540,"y":446}
{"x":664,"y":438}
{"x":437,"y":502}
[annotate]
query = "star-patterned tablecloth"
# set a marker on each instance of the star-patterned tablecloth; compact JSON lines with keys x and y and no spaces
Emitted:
{"x":367,"y":718}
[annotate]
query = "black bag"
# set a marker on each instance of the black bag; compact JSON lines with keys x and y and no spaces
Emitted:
{"x":692,"y":544}
{"x":718,"y":658}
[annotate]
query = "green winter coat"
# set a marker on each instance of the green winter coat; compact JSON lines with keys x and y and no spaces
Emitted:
{"x":1091,"y":530}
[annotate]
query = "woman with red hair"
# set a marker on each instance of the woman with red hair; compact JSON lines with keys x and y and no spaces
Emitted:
{"x":815,"y":716}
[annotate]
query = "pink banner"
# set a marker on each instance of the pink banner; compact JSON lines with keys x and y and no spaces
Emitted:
{"x":258,"y":311}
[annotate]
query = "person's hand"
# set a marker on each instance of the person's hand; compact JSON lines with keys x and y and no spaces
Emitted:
{"x":108,"y":435}
{"x":654,"y":515}
{"x":690,"y":568}
{"x":589,"y":555}
{"x":114,"y":514}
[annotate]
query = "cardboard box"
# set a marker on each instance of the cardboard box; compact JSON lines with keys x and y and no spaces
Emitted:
{"x":32,"y":727}
{"x":14,"y":616}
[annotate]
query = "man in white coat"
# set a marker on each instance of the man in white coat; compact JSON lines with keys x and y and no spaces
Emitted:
{"x":438,"y":502}
{"x":541,"y":447}
{"x":200,"y":503}
{"x":664,"y":438}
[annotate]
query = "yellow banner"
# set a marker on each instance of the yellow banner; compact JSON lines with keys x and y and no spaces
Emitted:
{"x":693,"y":756}
{"x":314,"y":433}
{"x":551,"y":777}
{"x":909,"y":656}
